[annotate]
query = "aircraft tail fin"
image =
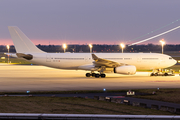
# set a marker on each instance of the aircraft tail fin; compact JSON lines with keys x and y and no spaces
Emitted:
{"x":21,"y":42}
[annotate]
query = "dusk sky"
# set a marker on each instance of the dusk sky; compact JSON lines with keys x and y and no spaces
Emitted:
{"x":90,"y":21}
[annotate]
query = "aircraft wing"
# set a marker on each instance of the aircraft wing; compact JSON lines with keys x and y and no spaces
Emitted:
{"x":104,"y":62}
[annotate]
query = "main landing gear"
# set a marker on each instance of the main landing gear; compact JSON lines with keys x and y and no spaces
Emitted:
{"x":96,"y":75}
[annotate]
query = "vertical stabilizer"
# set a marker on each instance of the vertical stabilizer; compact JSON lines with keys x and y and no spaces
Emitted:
{"x":21,"y":42}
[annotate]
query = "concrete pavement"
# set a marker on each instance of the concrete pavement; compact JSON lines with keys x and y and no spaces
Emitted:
{"x":40,"y":78}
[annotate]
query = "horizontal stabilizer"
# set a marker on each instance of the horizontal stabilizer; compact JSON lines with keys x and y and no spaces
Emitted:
{"x":11,"y":54}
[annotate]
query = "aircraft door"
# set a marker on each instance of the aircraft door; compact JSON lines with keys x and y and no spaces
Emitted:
{"x":86,"y":59}
{"x":48,"y":58}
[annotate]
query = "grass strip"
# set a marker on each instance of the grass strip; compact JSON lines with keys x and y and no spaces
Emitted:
{"x":70,"y":105}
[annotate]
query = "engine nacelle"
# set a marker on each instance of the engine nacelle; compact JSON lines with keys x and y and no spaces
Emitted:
{"x":126,"y":69}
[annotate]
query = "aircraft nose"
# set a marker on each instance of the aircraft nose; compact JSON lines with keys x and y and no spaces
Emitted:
{"x":174,"y":61}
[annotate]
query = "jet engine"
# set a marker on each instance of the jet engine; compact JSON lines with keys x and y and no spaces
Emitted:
{"x":125,"y":69}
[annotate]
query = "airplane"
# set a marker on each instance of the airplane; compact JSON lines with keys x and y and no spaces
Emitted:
{"x":97,"y":63}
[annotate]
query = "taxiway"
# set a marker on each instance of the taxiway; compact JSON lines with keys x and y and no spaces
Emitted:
{"x":40,"y":78}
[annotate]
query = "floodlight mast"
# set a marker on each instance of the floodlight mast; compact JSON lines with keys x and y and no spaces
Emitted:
{"x":8,"y":47}
{"x":64,"y":47}
{"x":122,"y":46}
{"x":162,"y":43}
{"x":90,"y":46}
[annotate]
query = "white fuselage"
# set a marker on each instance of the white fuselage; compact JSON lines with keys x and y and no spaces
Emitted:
{"x":74,"y":61}
{"x":124,"y":63}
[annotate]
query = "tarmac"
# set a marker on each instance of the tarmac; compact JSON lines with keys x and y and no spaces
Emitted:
{"x":20,"y":78}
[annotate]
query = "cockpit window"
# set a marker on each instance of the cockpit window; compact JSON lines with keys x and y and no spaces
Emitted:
{"x":170,"y":58}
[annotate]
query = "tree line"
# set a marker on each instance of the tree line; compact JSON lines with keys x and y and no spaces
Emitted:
{"x":101,"y":48}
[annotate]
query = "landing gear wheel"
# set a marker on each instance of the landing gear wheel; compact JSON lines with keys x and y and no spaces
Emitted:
{"x":88,"y":75}
{"x":103,"y":75}
{"x":97,"y":75}
{"x":156,"y":74}
{"x":93,"y":74}
{"x":152,"y":74}
{"x":165,"y":74}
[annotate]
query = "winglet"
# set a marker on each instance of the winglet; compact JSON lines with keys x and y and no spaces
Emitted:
{"x":94,"y":57}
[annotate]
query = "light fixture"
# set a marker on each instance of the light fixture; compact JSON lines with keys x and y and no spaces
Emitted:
{"x":64,"y":47}
{"x":90,"y":46}
{"x":162,"y":43}
{"x":122,"y":46}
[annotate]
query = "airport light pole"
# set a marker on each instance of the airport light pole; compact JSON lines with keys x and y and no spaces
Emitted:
{"x":64,"y":47}
{"x":162,"y":43}
{"x":90,"y":46}
{"x":122,"y":46}
{"x":8,"y":47}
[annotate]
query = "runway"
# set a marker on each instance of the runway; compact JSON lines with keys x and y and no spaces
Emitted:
{"x":40,"y":78}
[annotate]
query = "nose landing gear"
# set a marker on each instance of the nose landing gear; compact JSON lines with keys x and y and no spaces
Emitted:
{"x":160,"y":72}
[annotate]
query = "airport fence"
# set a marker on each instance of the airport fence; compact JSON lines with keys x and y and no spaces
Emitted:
{"x":152,"y":104}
